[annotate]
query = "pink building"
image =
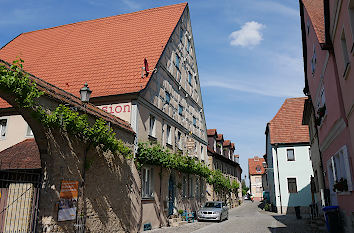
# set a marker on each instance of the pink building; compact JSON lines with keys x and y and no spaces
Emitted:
{"x":328,"y":36}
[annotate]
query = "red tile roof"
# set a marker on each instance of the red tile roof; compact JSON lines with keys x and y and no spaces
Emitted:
{"x":315,"y":10}
{"x":220,"y":137}
{"x":226,"y":143}
{"x":23,"y":155}
{"x":286,"y":126}
{"x":252,"y":166}
{"x":211,"y":132}
{"x":67,"y":98}
{"x":108,"y":53}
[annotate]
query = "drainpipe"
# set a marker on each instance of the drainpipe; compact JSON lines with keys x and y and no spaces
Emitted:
{"x":276,"y":155}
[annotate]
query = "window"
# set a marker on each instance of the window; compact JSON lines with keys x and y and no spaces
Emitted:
{"x":180,"y":110}
{"x":168,"y":97}
{"x":197,"y":189}
{"x":290,"y":154}
{"x":191,"y":188}
{"x":313,"y":61}
{"x":188,"y":45}
{"x":181,"y":32}
{"x":258,"y":168}
{"x":168,"y":135}
{"x":292,"y":188}
{"x":345,"y":53}
{"x":177,"y":62}
{"x":201,"y":150}
{"x":29,"y":132}
{"x":190,"y":78}
{"x":152,"y":131}
{"x":339,"y":168}
{"x":3,"y":126}
{"x":184,"y":186}
{"x":147,"y":185}
{"x":214,"y":145}
{"x":194,"y":121}
{"x":179,"y":144}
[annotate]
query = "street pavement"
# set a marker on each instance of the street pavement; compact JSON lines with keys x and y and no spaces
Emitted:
{"x":247,"y":218}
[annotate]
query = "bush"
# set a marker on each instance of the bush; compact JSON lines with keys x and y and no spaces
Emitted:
{"x":267,"y":207}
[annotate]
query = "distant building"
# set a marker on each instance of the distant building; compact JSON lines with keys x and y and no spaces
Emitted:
{"x":287,"y":151}
{"x":256,"y":172}
{"x":327,"y":37}
{"x":221,"y":156}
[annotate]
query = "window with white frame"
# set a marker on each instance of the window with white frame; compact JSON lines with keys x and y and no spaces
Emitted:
{"x":292,"y":186}
{"x":345,"y":52}
{"x":194,"y":121}
{"x":152,"y":130}
{"x":147,"y":184}
{"x":189,"y":78}
{"x":168,"y":135}
{"x":340,"y":169}
{"x":29,"y":132}
{"x":3,"y":127}
{"x":290,"y":154}
{"x":188,"y":45}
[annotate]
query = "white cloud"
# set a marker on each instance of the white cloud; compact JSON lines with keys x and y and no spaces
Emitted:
{"x":248,"y":36}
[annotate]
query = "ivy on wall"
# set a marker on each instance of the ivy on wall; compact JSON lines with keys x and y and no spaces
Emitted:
{"x":17,"y":83}
{"x":156,"y":155}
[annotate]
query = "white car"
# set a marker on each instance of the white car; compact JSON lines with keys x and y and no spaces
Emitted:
{"x":213,"y":210}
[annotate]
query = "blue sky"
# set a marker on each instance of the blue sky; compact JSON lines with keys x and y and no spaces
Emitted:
{"x":249,"y":54}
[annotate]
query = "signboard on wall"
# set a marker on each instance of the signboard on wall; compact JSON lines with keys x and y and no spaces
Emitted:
{"x":68,"y":200}
{"x":122,"y":110}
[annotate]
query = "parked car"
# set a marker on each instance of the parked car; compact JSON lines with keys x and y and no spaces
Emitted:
{"x":213,"y":210}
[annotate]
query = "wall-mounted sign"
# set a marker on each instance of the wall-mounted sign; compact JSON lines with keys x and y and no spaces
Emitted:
{"x":68,"y":200}
{"x":122,"y":110}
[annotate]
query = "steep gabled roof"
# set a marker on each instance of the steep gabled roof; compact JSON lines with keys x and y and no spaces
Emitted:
{"x":220,"y":137}
{"x":108,"y":53}
{"x":315,"y":10}
{"x":286,"y":126}
{"x":226,"y":143}
{"x":23,"y":155}
{"x":211,"y":132}
{"x":253,"y":163}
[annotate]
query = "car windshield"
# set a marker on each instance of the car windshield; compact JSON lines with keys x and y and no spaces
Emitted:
{"x":213,"y":204}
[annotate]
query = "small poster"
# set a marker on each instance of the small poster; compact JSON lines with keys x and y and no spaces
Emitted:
{"x":68,"y":200}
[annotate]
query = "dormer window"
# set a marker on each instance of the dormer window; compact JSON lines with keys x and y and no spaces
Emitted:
{"x":258,"y":168}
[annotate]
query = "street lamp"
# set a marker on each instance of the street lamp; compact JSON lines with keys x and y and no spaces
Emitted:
{"x":85,"y":93}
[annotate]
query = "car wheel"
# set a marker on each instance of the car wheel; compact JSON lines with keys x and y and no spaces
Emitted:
{"x":227,"y":217}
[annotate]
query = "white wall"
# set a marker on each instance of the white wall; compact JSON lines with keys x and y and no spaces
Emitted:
{"x":300,"y":169}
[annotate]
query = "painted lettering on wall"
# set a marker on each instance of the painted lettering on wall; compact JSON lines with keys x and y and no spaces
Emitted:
{"x":120,"y":110}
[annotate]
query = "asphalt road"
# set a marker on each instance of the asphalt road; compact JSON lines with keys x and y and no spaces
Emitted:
{"x":247,"y":218}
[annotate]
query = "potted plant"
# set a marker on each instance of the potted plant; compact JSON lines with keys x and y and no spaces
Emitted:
{"x":341,"y":185}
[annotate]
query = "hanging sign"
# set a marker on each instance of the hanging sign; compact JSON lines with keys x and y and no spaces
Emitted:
{"x":68,"y":200}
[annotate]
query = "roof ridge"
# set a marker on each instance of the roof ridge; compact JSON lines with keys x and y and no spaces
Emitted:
{"x":103,"y":18}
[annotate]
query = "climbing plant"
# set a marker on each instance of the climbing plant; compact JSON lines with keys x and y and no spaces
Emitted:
{"x":15,"y":81}
{"x":156,"y":155}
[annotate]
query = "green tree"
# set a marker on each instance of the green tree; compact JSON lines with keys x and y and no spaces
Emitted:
{"x":244,"y":188}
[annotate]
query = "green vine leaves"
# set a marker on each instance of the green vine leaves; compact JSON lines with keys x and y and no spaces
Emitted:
{"x":16,"y":82}
{"x":156,"y":155}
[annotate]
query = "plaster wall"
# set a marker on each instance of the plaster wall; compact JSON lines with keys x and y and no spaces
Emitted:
{"x":15,"y":132}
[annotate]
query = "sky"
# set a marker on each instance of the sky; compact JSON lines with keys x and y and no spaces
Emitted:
{"x":249,"y":54}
